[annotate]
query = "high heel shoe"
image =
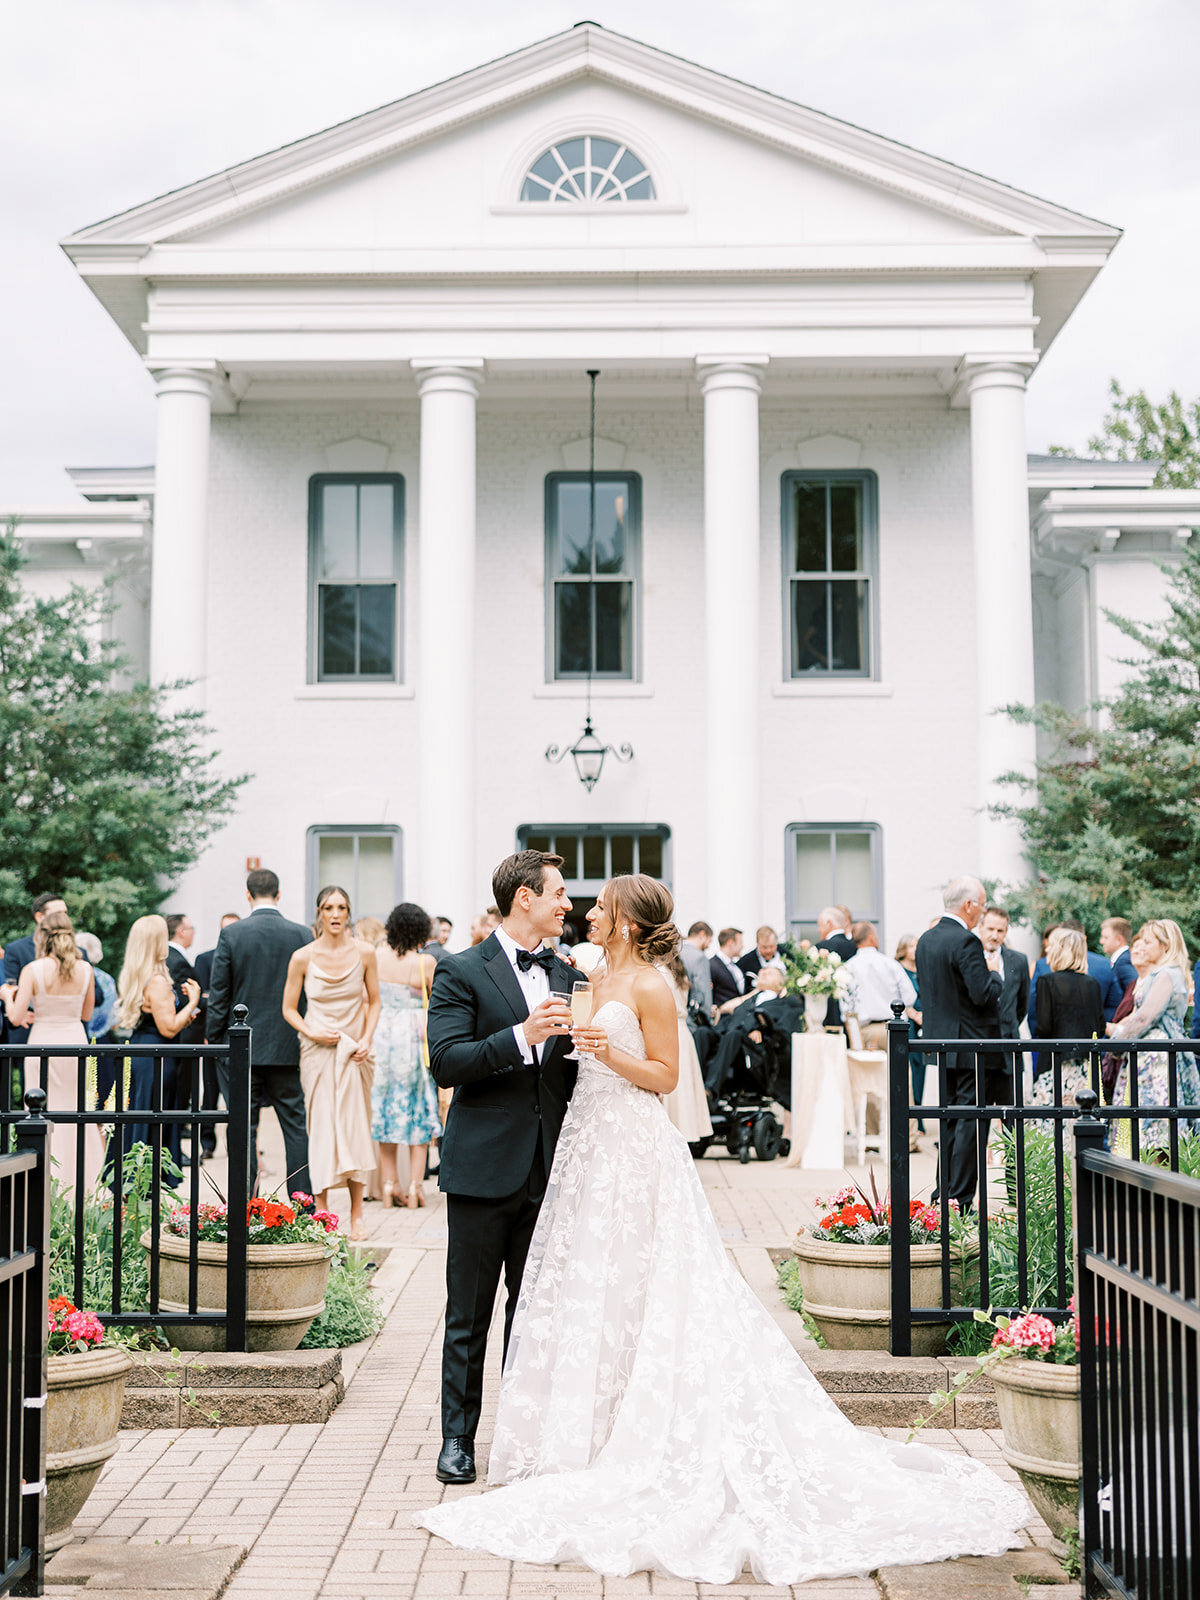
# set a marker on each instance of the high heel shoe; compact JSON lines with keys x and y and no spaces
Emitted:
{"x":391,"y":1195}
{"x":416,"y":1195}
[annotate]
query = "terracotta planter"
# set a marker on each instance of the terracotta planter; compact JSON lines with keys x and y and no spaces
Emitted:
{"x":285,"y":1291}
{"x":1039,"y":1413}
{"x":83,"y":1411}
{"x":848,"y":1292}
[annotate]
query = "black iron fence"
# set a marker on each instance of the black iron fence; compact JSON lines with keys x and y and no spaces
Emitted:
{"x":100,"y":1219}
{"x":980,"y":1085}
{"x":1137,"y":1281}
{"x":24,"y":1245}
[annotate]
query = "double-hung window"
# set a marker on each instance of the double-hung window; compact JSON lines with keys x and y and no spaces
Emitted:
{"x":593,"y":566}
{"x":829,"y":572}
{"x":832,"y":864}
{"x":365,"y":861}
{"x":356,"y":547}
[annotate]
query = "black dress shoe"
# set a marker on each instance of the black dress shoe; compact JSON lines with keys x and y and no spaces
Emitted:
{"x":456,"y":1464}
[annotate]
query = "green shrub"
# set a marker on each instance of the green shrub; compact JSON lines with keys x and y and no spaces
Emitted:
{"x":788,"y":1274}
{"x":351,"y":1312}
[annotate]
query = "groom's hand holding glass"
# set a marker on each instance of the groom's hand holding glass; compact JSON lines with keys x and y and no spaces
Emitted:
{"x":547,"y":1020}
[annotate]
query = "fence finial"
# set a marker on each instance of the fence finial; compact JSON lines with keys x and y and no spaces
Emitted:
{"x":241,"y":1016}
{"x":35,"y":1101}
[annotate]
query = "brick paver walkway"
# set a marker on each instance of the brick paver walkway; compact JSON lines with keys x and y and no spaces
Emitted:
{"x":325,"y":1510}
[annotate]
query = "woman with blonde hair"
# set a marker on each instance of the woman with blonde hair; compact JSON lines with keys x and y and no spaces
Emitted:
{"x":1160,"y":998}
{"x":146,"y":1004}
{"x":1069,"y":1006}
{"x":58,"y":987}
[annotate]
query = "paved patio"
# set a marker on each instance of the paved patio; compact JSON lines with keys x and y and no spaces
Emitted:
{"x":324,"y":1510}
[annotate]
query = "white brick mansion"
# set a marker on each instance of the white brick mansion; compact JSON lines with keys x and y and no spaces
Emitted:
{"x":819,"y":556}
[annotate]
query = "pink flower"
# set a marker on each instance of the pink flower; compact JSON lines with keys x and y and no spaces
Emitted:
{"x":83,"y":1326}
{"x":1029,"y":1332}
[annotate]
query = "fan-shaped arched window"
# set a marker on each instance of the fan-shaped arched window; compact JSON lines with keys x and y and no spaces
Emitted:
{"x":588,"y":169}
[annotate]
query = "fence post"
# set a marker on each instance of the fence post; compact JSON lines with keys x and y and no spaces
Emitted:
{"x":898,"y":1095}
{"x":237,"y":1134}
{"x":1088,"y":1137}
{"x":33,"y":1135}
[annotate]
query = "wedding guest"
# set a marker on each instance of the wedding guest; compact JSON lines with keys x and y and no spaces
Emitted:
{"x":100,"y":1024}
{"x":369,"y":930}
{"x":204,"y":961}
{"x":404,"y":1102}
{"x":728,"y":979}
{"x":20,"y":952}
{"x":833,"y":933}
{"x":210,"y":1092}
{"x":1069,"y":1006}
{"x":442,"y":929}
{"x":250,"y":969}
{"x":875,"y":982}
{"x":58,"y":989}
{"x":147,"y":1006}
{"x":1110,"y":988}
{"x":1014,"y":999}
{"x":1159,"y":955}
{"x":339,"y":978}
{"x":1115,"y":934}
{"x":764,"y":954}
{"x":586,"y":953}
{"x":485,"y":924}
{"x":693,"y":952}
{"x":687,"y":1104}
{"x":906,"y":955}
{"x":181,"y":934}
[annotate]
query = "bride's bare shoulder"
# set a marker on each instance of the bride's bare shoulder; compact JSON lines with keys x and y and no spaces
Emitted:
{"x":653,"y":996}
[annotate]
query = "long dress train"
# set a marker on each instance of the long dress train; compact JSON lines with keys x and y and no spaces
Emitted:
{"x":653,"y":1415}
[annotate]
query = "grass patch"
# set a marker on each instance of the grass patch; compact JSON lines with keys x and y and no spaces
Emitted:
{"x":788,"y":1275}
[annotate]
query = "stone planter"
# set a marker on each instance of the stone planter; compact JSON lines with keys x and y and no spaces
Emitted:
{"x":848,"y":1293}
{"x":815,"y":1007}
{"x":1038,"y":1403}
{"x":83,"y":1411}
{"x":285,"y":1291}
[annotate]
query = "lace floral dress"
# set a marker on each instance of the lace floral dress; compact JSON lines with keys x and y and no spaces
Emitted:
{"x":404,"y":1105}
{"x":1160,"y":1005}
{"x":654,"y":1416}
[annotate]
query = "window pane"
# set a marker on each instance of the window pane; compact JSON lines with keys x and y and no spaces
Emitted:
{"x":547,"y":167}
{"x":538,"y":841}
{"x":612,"y":504}
{"x":573,"y":513}
{"x":849,"y":625}
{"x":814,"y":874}
{"x":593,"y":856}
{"x":376,"y":888}
{"x":650,"y":854}
{"x":571,"y":151}
{"x":377,"y":630}
{"x":643,"y":189}
{"x":845,"y":515}
{"x":628,"y":167}
{"x":854,"y":884}
{"x":603,"y":151}
{"x":572,"y":626}
{"x":622,"y":853}
{"x":614,"y":628}
{"x":810,"y":527}
{"x":566,"y":845}
{"x":339,"y":530}
{"x":335,"y":861}
{"x":810,"y":628}
{"x":336,"y":631}
{"x":376,"y":535}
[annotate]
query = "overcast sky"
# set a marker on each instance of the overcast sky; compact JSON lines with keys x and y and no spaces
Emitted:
{"x":1090,"y":103}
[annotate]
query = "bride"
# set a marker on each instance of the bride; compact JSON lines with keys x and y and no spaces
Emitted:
{"x":652,"y":1414}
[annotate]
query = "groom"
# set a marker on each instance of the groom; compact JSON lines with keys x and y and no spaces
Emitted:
{"x":498,"y":1039}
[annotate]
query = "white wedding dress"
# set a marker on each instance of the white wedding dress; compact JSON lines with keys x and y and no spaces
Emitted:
{"x":653,"y":1415}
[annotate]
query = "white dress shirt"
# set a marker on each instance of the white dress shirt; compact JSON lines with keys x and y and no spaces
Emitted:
{"x":876,"y":981}
{"x":535,"y":986}
{"x":739,"y":977}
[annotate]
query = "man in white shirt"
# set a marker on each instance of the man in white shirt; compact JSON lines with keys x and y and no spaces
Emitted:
{"x":876,"y":982}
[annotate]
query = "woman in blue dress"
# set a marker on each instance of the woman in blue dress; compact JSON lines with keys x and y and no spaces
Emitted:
{"x":404,"y":1104}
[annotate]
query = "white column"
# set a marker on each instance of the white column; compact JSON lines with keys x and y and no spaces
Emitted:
{"x":731,"y":610}
{"x":179,"y":559}
{"x":444,"y":857}
{"x":1003,"y":600}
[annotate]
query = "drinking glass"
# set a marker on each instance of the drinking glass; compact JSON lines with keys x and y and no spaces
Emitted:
{"x":565,"y":996}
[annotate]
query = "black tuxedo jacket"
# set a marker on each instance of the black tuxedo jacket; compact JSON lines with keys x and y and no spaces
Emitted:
{"x":960,"y":995}
{"x":723,"y":986}
{"x":250,"y":969}
{"x":180,"y":970}
{"x":501,"y":1107}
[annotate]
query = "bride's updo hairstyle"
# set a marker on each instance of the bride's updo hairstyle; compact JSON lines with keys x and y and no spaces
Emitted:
{"x":647,"y":907}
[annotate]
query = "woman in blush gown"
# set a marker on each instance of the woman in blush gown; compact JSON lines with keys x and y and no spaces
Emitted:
{"x":652,"y":1414}
{"x":339,"y":977}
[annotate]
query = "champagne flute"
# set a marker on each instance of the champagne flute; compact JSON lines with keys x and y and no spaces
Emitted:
{"x":564,"y":995}
{"x":581,"y":1009}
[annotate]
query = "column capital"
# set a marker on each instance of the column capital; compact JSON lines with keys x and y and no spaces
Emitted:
{"x":206,"y":378}
{"x":457,"y":374}
{"x":731,"y":372}
{"x":991,"y":372}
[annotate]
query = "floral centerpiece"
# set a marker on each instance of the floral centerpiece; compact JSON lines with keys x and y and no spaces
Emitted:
{"x":85,"y":1386}
{"x":817,"y":975}
{"x":844,"y":1263}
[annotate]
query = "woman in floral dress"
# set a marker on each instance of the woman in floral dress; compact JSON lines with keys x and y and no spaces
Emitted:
{"x":1160,"y":1003}
{"x":404,"y":1104}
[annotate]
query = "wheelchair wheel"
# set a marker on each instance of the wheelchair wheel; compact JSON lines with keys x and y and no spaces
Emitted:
{"x":768,"y":1136}
{"x":699,"y":1146}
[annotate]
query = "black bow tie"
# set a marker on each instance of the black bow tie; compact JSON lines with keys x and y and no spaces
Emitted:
{"x":543,"y":958}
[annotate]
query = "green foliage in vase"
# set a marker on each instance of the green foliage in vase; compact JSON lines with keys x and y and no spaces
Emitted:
{"x":351,"y":1312}
{"x":110,"y":791}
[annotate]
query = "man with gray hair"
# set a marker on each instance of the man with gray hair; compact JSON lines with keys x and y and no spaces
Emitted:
{"x":960,"y":986}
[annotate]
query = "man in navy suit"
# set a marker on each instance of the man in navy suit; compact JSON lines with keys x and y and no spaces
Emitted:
{"x":1115,"y":934}
{"x":1112,"y":992}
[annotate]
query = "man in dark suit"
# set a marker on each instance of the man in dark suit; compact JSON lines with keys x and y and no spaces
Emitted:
{"x":498,"y":1029}
{"x":249,"y":968}
{"x":960,"y":987}
{"x":1014,"y":998}
{"x":211,"y":1087}
{"x":728,"y":979}
{"x":181,"y":933}
{"x":1115,"y":934}
{"x":833,"y":933}
{"x":764,"y":954}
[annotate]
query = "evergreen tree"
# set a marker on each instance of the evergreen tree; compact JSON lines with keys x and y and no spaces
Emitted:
{"x":110,"y":792}
{"x":1139,"y":429}
{"x":1112,"y":823}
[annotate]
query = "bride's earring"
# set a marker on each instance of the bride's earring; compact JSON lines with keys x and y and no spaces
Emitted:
{"x":625,"y":934}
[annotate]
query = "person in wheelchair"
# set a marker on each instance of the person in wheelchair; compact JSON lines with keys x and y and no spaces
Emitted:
{"x":750,"y":1071}
{"x":740,"y":1029}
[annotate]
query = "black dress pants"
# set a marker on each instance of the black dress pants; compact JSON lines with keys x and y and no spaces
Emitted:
{"x":278,"y":1087}
{"x":487,"y":1238}
{"x":960,"y":1141}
